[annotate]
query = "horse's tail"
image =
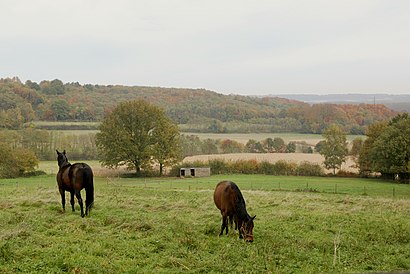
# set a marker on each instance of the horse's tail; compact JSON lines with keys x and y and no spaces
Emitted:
{"x":88,"y":178}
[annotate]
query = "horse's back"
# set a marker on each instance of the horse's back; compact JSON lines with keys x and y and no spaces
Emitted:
{"x":224,"y":196}
{"x":75,"y":177}
{"x":81,"y":173}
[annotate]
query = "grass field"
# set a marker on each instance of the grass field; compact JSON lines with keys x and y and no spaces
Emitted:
{"x":157,"y":225}
{"x":63,"y":123}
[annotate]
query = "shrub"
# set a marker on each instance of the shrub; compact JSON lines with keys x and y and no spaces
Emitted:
{"x":16,"y":162}
{"x":282,"y":167}
{"x":266,"y":168}
{"x":244,"y":166}
{"x":345,"y":173}
{"x":218,"y":166}
{"x":309,"y":169}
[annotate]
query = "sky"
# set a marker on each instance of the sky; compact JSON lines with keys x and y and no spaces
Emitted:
{"x":232,"y":47}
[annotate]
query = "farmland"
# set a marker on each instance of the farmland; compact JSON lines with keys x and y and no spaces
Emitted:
{"x":298,"y":158}
{"x":303,"y":224}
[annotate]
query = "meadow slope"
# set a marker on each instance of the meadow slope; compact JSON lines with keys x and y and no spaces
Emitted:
{"x":163,"y":225}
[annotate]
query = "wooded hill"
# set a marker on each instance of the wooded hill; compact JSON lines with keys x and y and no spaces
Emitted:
{"x":197,"y":110}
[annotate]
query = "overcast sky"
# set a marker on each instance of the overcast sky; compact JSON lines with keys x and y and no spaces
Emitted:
{"x":240,"y":47}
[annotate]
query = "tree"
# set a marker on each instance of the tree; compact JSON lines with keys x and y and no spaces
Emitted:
{"x":279,"y":144}
{"x":291,"y":147}
{"x":334,"y":148}
{"x":167,"y":150}
{"x":357,"y":144}
{"x":190,"y":145}
{"x":61,"y":110}
{"x":366,"y":161}
{"x":135,"y":134}
{"x":354,"y":152}
{"x":55,"y":87}
{"x":268,"y":144}
{"x":217,"y":127}
{"x":254,"y":146}
{"x":209,"y":146}
{"x":231,"y":146}
{"x":390,"y":152}
{"x":319,"y":146}
{"x":15,"y":162}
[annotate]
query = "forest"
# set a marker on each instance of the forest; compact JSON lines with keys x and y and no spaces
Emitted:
{"x":194,"y":110}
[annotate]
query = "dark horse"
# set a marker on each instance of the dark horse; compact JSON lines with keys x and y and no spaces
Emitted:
{"x":229,"y":200}
{"x":73,"y":178}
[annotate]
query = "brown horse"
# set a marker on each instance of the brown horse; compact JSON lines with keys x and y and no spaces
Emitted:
{"x":73,"y":178}
{"x":229,"y":200}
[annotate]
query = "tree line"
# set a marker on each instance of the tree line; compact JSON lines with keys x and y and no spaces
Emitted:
{"x":386,"y":149}
{"x":138,"y":134}
{"x":194,"y":110}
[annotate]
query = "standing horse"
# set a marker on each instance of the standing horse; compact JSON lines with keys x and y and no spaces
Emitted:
{"x":229,"y":200}
{"x":73,"y":178}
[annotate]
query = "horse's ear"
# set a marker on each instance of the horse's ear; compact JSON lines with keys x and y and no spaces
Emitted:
{"x":64,"y":152}
{"x":253,"y":217}
{"x":57,"y":152}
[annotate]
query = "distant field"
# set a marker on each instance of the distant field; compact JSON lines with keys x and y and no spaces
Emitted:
{"x":51,"y":167}
{"x":311,"y":139}
{"x":76,"y":128}
{"x":272,"y":158}
{"x":61,"y":123}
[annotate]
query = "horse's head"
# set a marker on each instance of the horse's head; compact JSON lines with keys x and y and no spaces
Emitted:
{"x":247,"y":229}
{"x":61,"y":158}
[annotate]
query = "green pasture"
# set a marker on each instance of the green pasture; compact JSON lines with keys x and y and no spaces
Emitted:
{"x":161,"y":225}
{"x":51,"y":167}
{"x":64,"y":123}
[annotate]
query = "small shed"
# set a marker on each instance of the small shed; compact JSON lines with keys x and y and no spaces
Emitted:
{"x":195,"y":172}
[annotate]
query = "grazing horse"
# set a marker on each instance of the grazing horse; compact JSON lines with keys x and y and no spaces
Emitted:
{"x":73,"y":178}
{"x":229,"y":200}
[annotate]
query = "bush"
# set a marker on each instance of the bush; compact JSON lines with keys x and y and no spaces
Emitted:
{"x":266,"y":168}
{"x":282,"y":167}
{"x":16,"y":162}
{"x":218,"y":166}
{"x":345,"y":173}
{"x":244,"y":166}
{"x":309,"y":169}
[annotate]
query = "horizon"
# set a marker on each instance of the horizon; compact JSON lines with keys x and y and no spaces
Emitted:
{"x":256,"y":94}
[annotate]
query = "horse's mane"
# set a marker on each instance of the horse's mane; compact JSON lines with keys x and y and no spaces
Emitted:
{"x":240,"y":206}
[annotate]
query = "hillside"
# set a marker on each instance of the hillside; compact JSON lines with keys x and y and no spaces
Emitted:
{"x":196,"y":110}
{"x":397,"y":102}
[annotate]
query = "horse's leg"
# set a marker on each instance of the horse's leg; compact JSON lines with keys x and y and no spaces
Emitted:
{"x":62,"y":193}
{"x":240,"y":229}
{"x":230,"y":220}
{"x":72,"y":200}
{"x":224,"y":224}
{"x":80,"y":201}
